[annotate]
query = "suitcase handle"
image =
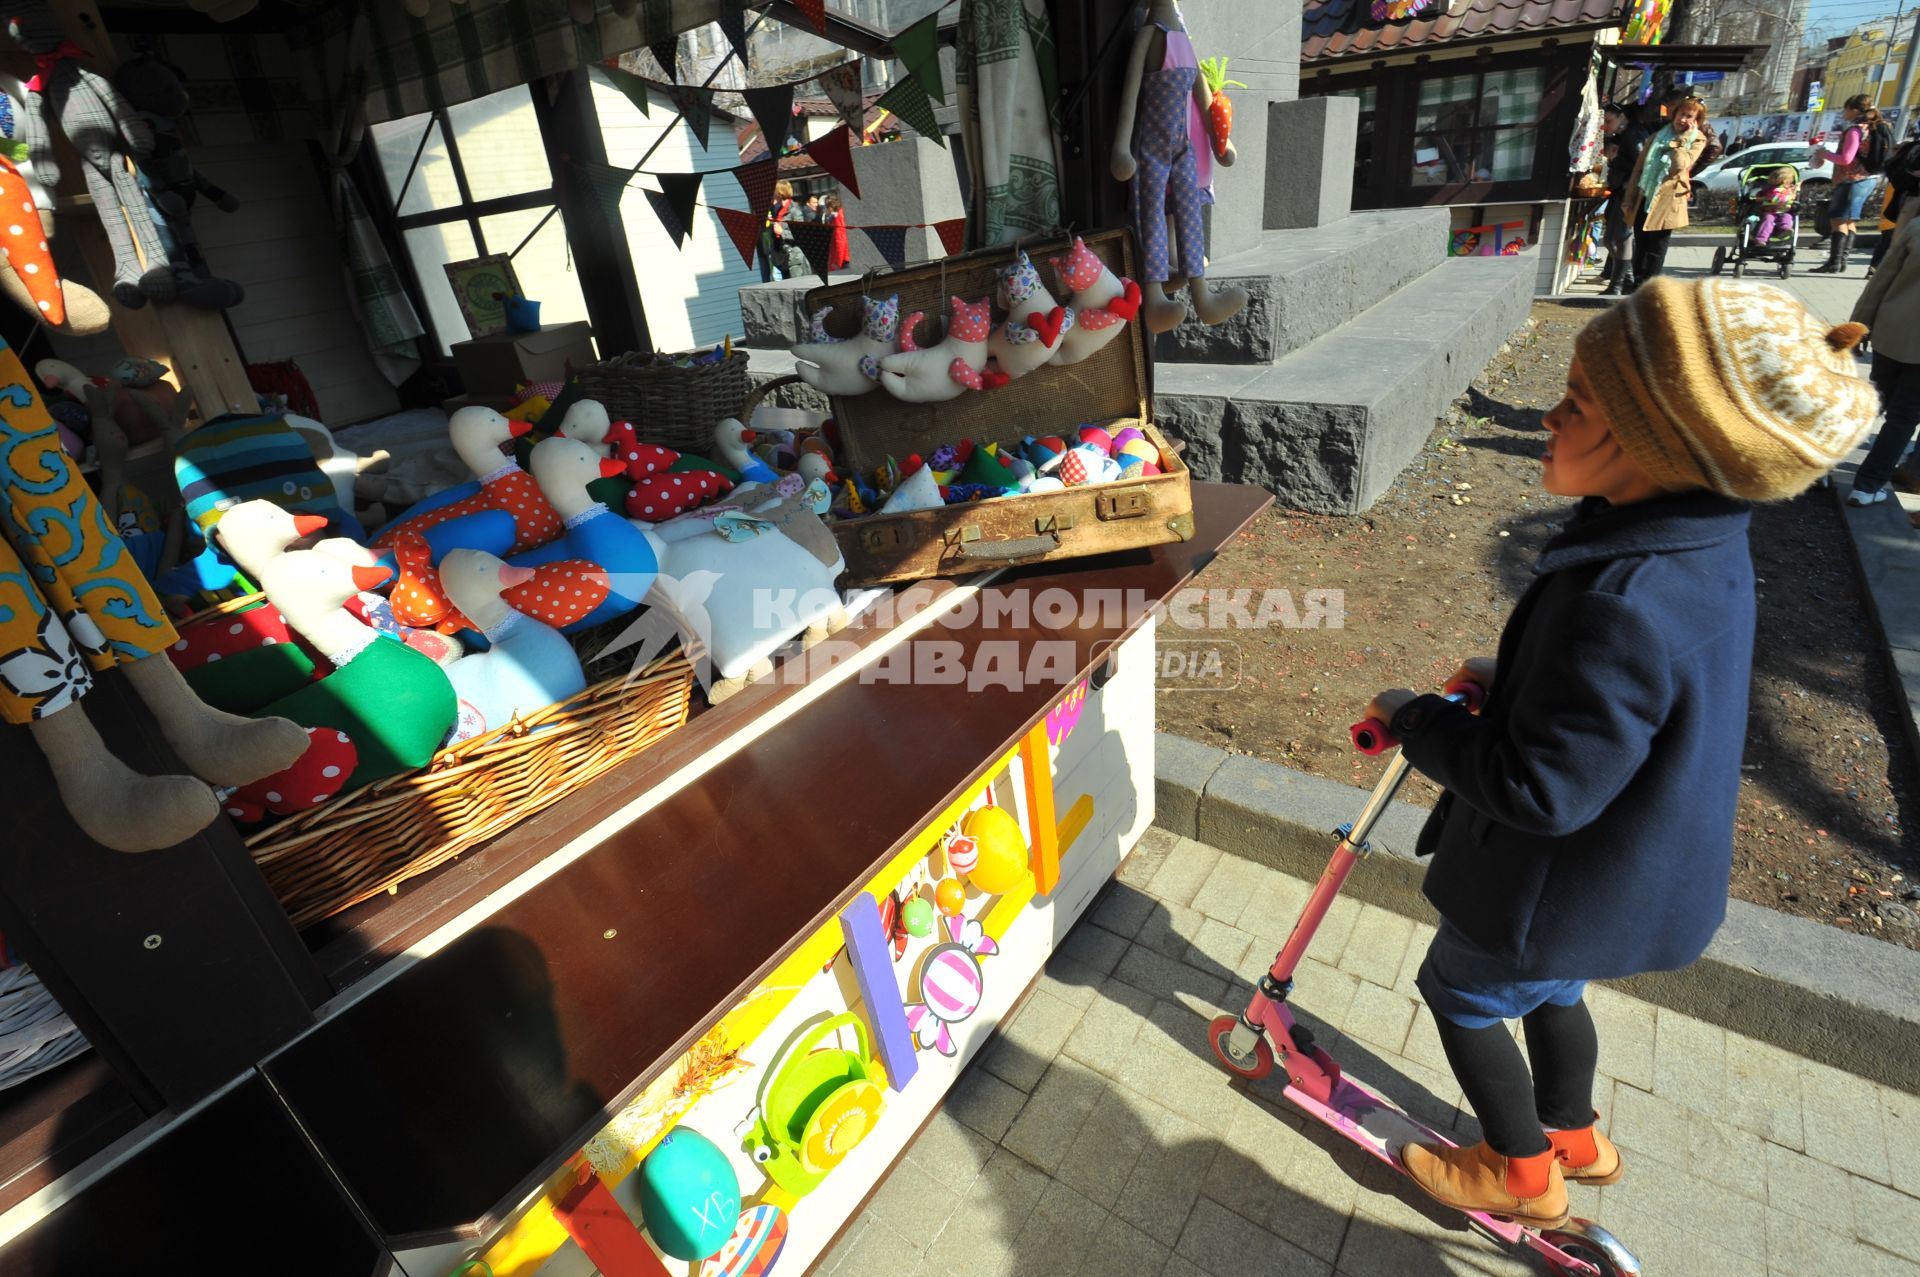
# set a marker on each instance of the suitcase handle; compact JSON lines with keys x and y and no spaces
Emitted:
{"x":1011,"y":551}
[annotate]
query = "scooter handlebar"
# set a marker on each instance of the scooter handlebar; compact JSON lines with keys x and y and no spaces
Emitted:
{"x":1372,"y":736}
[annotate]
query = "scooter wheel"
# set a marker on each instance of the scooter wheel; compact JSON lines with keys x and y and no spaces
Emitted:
{"x":1605,"y":1254}
{"x":1254,"y":1067}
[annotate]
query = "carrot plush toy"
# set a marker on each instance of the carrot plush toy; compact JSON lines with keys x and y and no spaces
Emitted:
{"x":1220,"y":110}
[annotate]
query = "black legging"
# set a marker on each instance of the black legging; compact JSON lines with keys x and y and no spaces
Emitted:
{"x":1649,"y":249}
{"x":1512,"y":1104}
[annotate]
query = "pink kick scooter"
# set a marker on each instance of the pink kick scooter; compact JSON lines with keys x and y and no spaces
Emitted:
{"x":1247,"y":1045}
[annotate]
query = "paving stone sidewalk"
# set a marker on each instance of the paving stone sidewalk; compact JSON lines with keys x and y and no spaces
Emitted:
{"x":1094,"y":1136}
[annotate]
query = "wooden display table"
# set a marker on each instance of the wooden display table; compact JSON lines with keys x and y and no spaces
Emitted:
{"x":515,"y":1004}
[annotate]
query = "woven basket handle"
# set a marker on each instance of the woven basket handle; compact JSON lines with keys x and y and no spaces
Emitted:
{"x":760,"y":392}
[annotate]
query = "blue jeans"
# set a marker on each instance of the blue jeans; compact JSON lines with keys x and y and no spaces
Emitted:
{"x":1849,"y":200}
{"x":1477,"y":990}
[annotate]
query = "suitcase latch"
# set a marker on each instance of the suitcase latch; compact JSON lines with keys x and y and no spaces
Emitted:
{"x":878,"y":538}
{"x":1053,"y":523}
{"x":963,"y":535}
{"x":1128,"y":504}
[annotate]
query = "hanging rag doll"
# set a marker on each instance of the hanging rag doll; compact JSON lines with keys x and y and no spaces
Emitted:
{"x":24,"y":278}
{"x":72,"y":603}
{"x":1163,"y":144}
{"x":104,"y":133}
{"x":157,"y":90}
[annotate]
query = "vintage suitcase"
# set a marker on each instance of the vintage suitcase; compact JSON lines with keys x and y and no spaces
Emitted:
{"x":1108,"y":389}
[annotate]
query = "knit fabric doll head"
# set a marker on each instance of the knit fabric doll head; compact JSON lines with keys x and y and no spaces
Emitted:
{"x":1727,"y":385}
{"x":1079,"y":270}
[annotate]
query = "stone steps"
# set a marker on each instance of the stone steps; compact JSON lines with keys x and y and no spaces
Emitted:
{"x":1329,"y":425}
{"x":1303,"y":283}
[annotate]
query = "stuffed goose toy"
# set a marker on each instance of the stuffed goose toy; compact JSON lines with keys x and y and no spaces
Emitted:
{"x":1035,"y":323}
{"x":1101,"y":301}
{"x":502,"y":500}
{"x":394,"y":704}
{"x":850,"y":366}
{"x":594,"y":535}
{"x":944,"y":371}
{"x":527,"y":665}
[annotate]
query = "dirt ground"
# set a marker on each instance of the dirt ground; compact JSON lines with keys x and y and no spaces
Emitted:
{"x":1430,"y":574}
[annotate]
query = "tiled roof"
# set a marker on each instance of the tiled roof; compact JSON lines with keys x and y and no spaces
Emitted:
{"x":1331,"y":29}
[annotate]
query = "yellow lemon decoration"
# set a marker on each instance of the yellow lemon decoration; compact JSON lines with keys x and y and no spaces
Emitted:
{"x":1003,"y":852}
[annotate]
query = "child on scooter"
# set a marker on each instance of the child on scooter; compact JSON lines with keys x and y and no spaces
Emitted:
{"x":1586,"y":830}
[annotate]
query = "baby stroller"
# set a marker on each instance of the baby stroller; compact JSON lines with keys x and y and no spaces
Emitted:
{"x":1748,"y":214}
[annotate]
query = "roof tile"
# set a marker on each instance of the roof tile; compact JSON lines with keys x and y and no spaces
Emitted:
{"x":1331,"y":29}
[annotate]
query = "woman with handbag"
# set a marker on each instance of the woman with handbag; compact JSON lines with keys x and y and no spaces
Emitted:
{"x":1662,"y":181}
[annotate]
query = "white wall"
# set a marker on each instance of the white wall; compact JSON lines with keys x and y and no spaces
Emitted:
{"x":692,"y":292}
{"x":282,"y":247}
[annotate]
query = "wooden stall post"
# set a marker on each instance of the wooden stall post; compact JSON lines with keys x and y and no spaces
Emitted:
{"x":1036,"y":770}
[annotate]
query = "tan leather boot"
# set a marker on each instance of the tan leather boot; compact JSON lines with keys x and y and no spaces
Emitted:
{"x":1586,"y":1156}
{"x":1480,"y":1179}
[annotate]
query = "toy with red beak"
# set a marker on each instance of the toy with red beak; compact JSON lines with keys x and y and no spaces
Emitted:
{"x":527,"y":665}
{"x":393,"y":703}
{"x":594,"y":534}
{"x":501,"y":511}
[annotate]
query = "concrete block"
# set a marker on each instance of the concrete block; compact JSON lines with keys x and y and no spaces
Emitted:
{"x":985,"y":1103}
{"x":953,"y":1152}
{"x":764,"y":365}
{"x":1843,"y":1122}
{"x":1378,"y":945}
{"x":1181,"y":769}
{"x":1106,"y":1032}
{"x":1379,"y":1016}
{"x":1184,"y":872}
{"x":1220,"y":1241}
{"x":1302,"y":284}
{"x":775,"y":314}
{"x":1046,"y":1127}
{"x":1020,"y":1050}
{"x":1310,"y":149}
{"x":909,"y":180}
{"x":1166,"y":1180}
{"x":1236,"y":220}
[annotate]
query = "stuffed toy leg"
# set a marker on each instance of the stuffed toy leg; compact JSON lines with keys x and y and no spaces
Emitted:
{"x":104,"y":134}
{"x":72,"y":603}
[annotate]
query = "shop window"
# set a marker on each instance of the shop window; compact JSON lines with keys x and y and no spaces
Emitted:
{"x":473,"y":181}
{"x":1477,"y":128}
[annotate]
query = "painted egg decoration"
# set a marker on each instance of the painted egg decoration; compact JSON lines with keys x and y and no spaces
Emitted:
{"x":1003,"y":852}
{"x":754,"y":1247}
{"x":917,"y":916}
{"x":950,"y":983}
{"x":962,"y":855}
{"x":950,"y":897}
{"x":689,"y":1195}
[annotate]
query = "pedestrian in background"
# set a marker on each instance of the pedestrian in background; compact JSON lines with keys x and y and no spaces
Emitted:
{"x":1853,"y":177}
{"x":1890,"y":308}
{"x":1627,"y":138}
{"x":1658,"y":192}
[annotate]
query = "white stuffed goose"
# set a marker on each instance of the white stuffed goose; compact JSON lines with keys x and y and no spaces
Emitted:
{"x":527,"y":665}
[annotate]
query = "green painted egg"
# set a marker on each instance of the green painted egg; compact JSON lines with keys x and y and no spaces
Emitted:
{"x":917,"y":916}
{"x":689,"y":1195}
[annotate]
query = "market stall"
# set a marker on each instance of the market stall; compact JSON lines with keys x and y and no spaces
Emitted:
{"x":585,"y":820}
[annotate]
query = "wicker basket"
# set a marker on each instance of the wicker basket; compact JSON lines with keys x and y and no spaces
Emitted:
{"x":677,"y":407}
{"x":360,"y":844}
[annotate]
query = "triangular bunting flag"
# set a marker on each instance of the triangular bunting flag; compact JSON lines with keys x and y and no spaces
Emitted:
{"x":842,"y":87}
{"x":891,"y":241}
{"x":734,"y":26}
{"x":667,"y":54}
{"x":606,"y":183}
{"x":756,"y":182}
{"x":683,"y":192}
{"x":816,"y":241}
{"x":816,"y":13}
{"x":918,"y":48}
{"x":631,"y":86}
{"x":834,"y":153}
{"x":773,"y":110}
{"x":953,"y":234}
{"x":695,"y":107}
{"x":743,"y":229}
{"x":669,"y":216}
{"x":908,"y":99}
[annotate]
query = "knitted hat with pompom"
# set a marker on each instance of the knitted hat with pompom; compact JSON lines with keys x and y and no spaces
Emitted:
{"x":1727,"y":385}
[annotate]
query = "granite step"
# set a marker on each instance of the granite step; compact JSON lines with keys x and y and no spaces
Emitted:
{"x":1305,"y":283}
{"x":1328,"y":426}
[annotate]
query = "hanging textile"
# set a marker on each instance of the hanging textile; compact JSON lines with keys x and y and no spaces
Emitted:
{"x":1583,"y":153}
{"x":1009,"y":96}
{"x":459,"y":52}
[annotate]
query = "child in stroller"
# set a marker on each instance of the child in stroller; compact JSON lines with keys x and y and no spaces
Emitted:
{"x":1765,"y":225}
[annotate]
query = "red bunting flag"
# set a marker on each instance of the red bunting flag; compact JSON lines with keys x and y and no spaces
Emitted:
{"x":834,"y":153}
{"x":744,"y":229}
{"x":816,"y":13}
{"x":757,"y":181}
{"x":953,"y":234}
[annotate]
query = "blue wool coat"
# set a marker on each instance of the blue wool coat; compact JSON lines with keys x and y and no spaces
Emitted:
{"x":1587,"y":827}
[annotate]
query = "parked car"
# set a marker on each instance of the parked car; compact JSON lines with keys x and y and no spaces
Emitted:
{"x":1717,"y":186}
